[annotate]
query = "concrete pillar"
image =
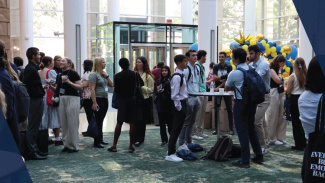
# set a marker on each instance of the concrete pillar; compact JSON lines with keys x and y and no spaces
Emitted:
{"x":207,"y":27}
{"x":187,"y":18}
{"x":305,"y":49}
{"x":113,"y":10}
{"x":75,"y":35}
{"x":26,"y":27}
{"x":250,"y":17}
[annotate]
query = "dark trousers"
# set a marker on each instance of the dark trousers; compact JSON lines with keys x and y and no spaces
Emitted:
{"x":140,"y":126}
{"x":87,"y":106}
{"x":244,"y":120}
{"x":228,"y":102}
{"x":297,"y":130}
{"x":165,"y":118}
{"x":178,"y":121}
{"x":100,"y":115}
{"x":36,"y":109}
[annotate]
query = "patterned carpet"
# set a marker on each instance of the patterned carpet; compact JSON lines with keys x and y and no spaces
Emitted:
{"x":147,"y":164}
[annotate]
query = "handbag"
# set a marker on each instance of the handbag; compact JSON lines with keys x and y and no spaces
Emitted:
{"x":92,"y":130}
{"x":313,"y":162}
{"x":49,"y":93}
{"x":114,"y":101}
{"x":138,"y":95}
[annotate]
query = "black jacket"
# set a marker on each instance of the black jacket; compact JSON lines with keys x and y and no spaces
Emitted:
{"x":32,"y":80}
{"x":164,"y":102}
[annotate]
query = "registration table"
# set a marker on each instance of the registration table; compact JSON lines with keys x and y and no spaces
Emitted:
{"x":217,"y":99}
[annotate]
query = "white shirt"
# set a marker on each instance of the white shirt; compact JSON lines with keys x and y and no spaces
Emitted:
{"x":308,"y":105}
{"x":193,"y":82}
{"x":236,"y":78}
{"x":178,"y":92}
{"x":296,"y":89}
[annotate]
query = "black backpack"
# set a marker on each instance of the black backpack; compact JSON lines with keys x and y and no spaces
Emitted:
{"x":180,"y":75}
{"x":221,"y":150}
{"x":201,"y":69}
{"x":23,"y":100}
{"x":21,"y":76}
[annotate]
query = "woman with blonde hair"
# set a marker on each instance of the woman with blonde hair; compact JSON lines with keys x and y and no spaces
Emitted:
{"x":142,"y":68}
{"x":98,"y":82}
{"x":295,"y":87}
{"x":276,"y":124}
{"x":69,"y":84}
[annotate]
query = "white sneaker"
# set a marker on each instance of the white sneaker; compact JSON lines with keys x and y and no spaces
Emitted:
{"x":283,"y":141}
{"x":265,"y":150}
{"x":278,"y":143}
{"x":204,"y":135}
{"x":196,"y":137}
{"x":173,"y":158}
{"x":184,"y":146}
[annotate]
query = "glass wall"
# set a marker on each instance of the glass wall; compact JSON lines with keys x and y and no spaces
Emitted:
{"x":278,"y":21}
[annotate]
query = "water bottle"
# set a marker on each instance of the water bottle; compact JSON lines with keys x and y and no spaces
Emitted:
{"x":212,"y":87}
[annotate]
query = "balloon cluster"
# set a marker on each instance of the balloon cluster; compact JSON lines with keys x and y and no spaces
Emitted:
{"x":268,"y":49}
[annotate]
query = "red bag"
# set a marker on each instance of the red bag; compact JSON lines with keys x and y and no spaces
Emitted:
{"x":49,"y":93}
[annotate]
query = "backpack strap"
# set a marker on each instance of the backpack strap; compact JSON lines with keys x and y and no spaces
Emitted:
{"x":201,"y":72}
{"x":190,"y":73}
{"x":180,"y":75}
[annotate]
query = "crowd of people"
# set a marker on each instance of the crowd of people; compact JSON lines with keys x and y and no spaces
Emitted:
{"x":57,"y":93}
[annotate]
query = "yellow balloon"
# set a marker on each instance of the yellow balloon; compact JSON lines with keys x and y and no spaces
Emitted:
{"x":228,"y":51}
{"x":284,"y":54}
{"x":285,"y":74}
{"x":274,"y":54}
{"x":245,"y":47}
{"x":284,"y":67}
{"x":286,"y":49}
{"x":233,"y":67}
{"x":267,"y":51}
{"x":251,"y":37}
{"x":231,"y":62}
{"x":231,"y":55}
{"x":267,"y":46}
{"x":273,"y":49}
{"x":260,"y":36}
{"x":288,"y":69}
{"x":263,"y":42}
{"x":253,"y":42}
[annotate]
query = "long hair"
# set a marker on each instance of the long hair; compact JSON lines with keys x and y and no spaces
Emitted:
{"x":275,"y":62}
{"x":146,"y":68}
{"x":3,"y":104}
{"x":299,"y":67}
{"x":315,"y":77}
{"x":46,"y":61}
{"x":97,"y":68}
{"x":162,"y":78}
{"x":88,"y":66}
{"x":5,"y":63}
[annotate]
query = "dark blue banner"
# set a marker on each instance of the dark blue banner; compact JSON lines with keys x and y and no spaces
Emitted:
{"x":12,"y":167}
{"x":312,"y":15}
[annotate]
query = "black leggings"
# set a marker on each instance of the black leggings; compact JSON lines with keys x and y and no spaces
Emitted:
{"x":100,"y":115}
{"x":140,"y":126}
{"x":297,"y":129}
{"x":87,"y":106}
{"x":165,"y":118}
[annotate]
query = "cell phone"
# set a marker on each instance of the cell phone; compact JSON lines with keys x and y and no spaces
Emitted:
{"x":97,"y":108}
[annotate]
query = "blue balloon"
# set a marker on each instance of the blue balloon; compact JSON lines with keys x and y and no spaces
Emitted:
{"x":262,"y":49}
{"x":293,"y":54}
{"x":266,"y":40}
{"x":247,"y":43}
{"x":194,"y":46}
{"x":233,"y":45}
{"x":228,"y":62}
{"x":269,"y":57}
{"x":271,"y":44}
{"x":228,"y":59}
{"x":258,"y":40}
{"x":288,"y":63}
{"x":278,"y":48}
{"x":259,"y":45}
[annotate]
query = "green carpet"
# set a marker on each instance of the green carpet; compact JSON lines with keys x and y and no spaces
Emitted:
{"x":147,"y":164}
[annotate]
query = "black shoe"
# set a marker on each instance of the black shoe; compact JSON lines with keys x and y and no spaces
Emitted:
{"x":58,"y":143}
{"x":163,"y":143}
{"x":232,"y":133}
{"x":72,"y":150}
{"x":99,"y":145}
{"x":83,"y":133}
{"x":297,"y":148}
{"x":104,"y":143}
{"x":42,"y":153}
{"x":65,"y":149}
{"x":35,"y":156}
{"x":258,"y":160}
{"x":50,"y":142}
{"x":240,"y":164}
{"x":214,"y":133}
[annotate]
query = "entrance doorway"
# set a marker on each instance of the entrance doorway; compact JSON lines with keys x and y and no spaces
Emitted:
{"x":154,"y":54}
{"x":177,"y":50}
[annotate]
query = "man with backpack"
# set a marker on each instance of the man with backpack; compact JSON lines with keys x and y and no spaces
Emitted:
{"x":220,"y":75}
{"x":197,"y":129}
{"x":263,"y":69}
{"x":244,"y":109}
{"x":19,"y":62}
{"x":179,"y":95}
{"x":192,"y":82}
{"x":36,"y":92}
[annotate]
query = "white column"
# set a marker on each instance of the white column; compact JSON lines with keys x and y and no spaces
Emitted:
{"x":208,"y":24}
{"x":305,"y":49}
{"x":26,"y":27}
{"x":113,"y":10}
{"x":187,"y":18}
{"x":250,"y":17}
{"x":75,"y":14}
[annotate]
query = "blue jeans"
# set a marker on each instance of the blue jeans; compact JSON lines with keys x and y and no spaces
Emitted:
{"x":244,"y":116}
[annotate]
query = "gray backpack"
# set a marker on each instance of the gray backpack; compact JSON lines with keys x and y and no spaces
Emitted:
{"x":22,"y":101}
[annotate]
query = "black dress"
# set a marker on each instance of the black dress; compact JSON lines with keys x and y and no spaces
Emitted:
{"x":128,"y":109}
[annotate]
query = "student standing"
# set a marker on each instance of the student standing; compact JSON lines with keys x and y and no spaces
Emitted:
{"x":244,"y":114}
{"x":179,"y":95}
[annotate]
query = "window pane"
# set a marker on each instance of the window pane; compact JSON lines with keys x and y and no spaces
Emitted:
{"x":48,"y":5}
{"x":173,"y":8}
{"x":271,"y":29}
{"x":287,"y":7}
{"x":93,"y":5}
{"x":47,"y":22}
{"x":102,"y":19}
{"x":289,"y":27}
{"x":259,"y":9}
{"x":228,"y":30}
{"x":138,"y":7}
{"x":259,"y":27}
{"x":231,"y":9}
{"x":51,"y":47}
{"x":271,"y":8}
{"x":91,"y":48}
{"x":91,"y":27}
{"x":103,"y":5}
{"x":148,"y":33}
